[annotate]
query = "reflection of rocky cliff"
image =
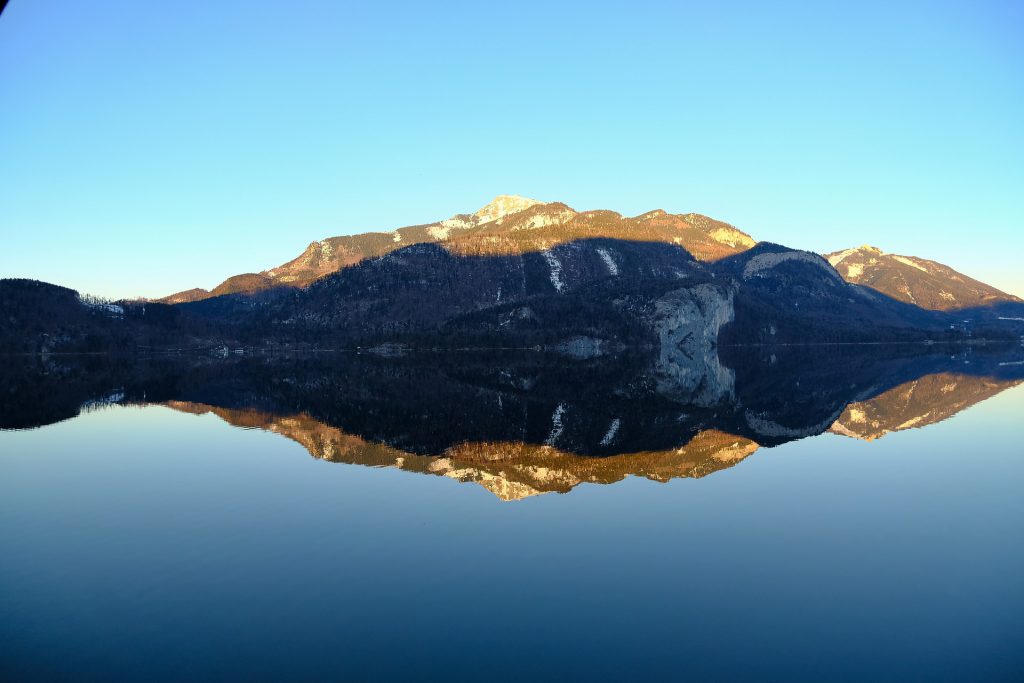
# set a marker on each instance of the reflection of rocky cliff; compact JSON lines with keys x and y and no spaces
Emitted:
{"x":918,"y":403}
{"x":509,"y":470}
{"x":688,"y":322}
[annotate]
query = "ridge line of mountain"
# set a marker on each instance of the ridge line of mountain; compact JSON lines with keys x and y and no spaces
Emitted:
{"x":514,"y":224}
{"x":507,"y":223}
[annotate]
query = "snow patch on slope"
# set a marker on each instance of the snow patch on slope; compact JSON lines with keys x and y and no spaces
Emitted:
{"x":613,"y":268}
{"x":613,"y":429}
{"x":557,"y":427}
{"x":556,"y":270}
{"x":909,"y":262}
{"x":109,"y":309}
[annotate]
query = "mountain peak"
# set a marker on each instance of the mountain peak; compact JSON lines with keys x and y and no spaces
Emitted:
{"x":837,"y":257}
{"x":503,"y":205}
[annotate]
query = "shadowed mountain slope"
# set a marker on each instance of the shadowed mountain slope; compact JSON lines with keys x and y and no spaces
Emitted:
{"x":614,"y":291}
{"x":38,"y":317}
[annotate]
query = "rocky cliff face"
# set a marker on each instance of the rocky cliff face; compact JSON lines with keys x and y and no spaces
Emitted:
{"x":688,"y":321}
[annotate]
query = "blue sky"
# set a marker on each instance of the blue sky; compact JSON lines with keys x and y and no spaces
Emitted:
{"x":150,"y":147}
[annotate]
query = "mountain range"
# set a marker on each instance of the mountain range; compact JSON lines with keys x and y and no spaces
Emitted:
{"x":522,"y":273}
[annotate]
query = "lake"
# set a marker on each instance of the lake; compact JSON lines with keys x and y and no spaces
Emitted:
{"x":802,"y":513}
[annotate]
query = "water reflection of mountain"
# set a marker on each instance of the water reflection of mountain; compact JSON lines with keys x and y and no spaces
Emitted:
{"x":526,"y":423}
{"x":509,"y":470}
{"x":918,"y":403}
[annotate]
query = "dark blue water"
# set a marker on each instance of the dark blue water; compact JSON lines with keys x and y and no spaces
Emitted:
{"x":150,"y":543}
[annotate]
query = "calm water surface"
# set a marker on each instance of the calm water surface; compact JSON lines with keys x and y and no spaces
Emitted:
{"x":383,"y":519}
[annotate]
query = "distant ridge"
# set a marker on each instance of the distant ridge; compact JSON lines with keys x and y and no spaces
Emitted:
{"x":914,"y":280}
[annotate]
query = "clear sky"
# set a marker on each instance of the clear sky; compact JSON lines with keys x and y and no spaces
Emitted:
{"x":148,"y":147}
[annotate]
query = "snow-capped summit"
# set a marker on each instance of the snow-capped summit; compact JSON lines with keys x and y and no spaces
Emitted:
{"x":503,"y":205}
